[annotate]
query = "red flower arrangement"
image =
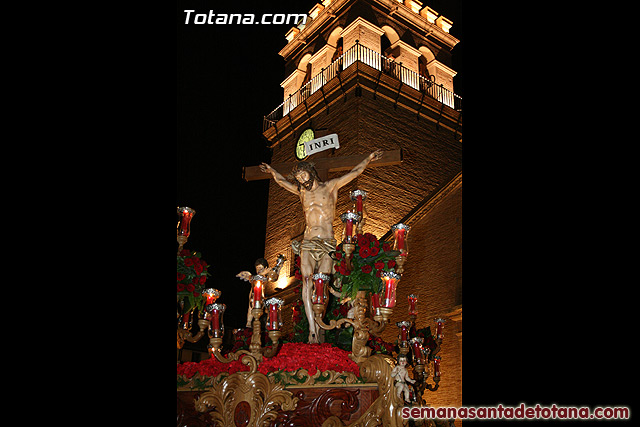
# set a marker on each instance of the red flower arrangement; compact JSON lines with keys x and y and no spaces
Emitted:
{"x":290,"y":358}
{"x":370,"y":258}
{"x":191,"y":276}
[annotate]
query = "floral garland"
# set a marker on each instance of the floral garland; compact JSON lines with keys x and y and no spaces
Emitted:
{"x":291,"y":358}
{"x":370,"y":258}
{"x":191,"y":277}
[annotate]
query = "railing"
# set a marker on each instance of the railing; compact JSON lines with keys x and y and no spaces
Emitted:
{"x":375,"y":60}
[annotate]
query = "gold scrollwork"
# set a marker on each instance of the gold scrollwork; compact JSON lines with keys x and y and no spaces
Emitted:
{"x":262,"y":395}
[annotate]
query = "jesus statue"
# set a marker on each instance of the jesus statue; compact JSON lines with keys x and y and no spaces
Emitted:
{"x":319,"y":205}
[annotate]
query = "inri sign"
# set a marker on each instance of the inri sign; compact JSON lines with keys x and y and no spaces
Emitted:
{"x":323,"y":143}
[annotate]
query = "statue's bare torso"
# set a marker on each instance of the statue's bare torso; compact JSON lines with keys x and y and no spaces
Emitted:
{"x":319,"y":205}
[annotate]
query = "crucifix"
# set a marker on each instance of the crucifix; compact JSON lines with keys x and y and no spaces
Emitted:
{"x":318,"y":196}
{"x":324,"y":164}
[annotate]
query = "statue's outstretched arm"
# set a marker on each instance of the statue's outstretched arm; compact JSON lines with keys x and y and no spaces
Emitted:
{"x":358,"y":169}
{"x":279,"y":179}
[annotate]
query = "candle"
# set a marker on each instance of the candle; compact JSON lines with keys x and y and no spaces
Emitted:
{"x":216,"y":311}
{"x":439,"y":326}
{"x":416,"y":345}
{"x":436,"y":366}
{"x":390,"y":280}
{"x":215,"y":319}
{"x":349,"y":218}
{"x":358,"y":196}
{"x":258,"y":290}
{"x":375,"y":303}
{"x":273,"y":317}
{"x":211,"y":295}
{"x":274,"y":306}
{"x":404,"y":329}
{"x":413,"y":299}
{"x":349,"y":228}
{"x":186,"y":215}
{"x":186,"y":324}
{"x":319,"y":280}
{"x":400,"y":234}
{"x":400,"y":237}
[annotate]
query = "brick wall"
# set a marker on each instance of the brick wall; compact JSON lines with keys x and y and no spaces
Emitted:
{"x":430,"y":160}
{"x":433,"y":272}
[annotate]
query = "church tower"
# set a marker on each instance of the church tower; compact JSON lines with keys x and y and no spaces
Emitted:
{"x":378,"y":74}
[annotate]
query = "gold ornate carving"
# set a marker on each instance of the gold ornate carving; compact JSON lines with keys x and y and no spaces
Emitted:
{"x":262,"y":396}
{"x":361,"y":327}
{"x":300,"y":378}
{"x":386,"y":409}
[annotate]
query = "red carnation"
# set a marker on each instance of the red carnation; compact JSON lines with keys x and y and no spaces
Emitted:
{"x":379,"y":265}
{"x":364,"y":252}
{"x":374,"y":251}
{"x":366,"y":269}
{"x":188,"y":262}
{"x":190,"y":287}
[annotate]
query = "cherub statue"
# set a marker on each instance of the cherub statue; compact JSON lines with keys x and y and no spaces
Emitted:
{"x":262,"y":268}
{"x":401,"y":376}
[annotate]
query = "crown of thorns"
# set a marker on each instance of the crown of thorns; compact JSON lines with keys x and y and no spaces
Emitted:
{"x":303,"y":166}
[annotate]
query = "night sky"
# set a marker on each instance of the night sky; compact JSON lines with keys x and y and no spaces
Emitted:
{"x":228,"y":78}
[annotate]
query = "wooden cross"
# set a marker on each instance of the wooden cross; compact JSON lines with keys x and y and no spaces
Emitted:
{"x":325,"y":164}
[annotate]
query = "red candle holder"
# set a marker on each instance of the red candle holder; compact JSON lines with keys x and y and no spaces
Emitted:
{"x":216,"y":312}
{"x":436,"y":366}
{"x":418,"y":353}
{"x":211,"y":295}
{"x":413,"y":302}
{"x":400,"y":233}
{"x":348,"y":219}
{"x":187,"y":320}
{"x":184,"y":224}
{"x":439,"y":327}
{"x":320,"y":283}
{"x":274,"y":308}
{"x":404,"y":332}
{"x":388,"y":297}
{"x":258,"y":283}
{"x":358,"y":196}
{"x":375,"y":305}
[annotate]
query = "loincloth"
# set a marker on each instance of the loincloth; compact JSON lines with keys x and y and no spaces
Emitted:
{"x":316,"y":247}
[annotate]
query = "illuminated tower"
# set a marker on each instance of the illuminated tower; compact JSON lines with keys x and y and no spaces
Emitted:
{"x":378,"y":74}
